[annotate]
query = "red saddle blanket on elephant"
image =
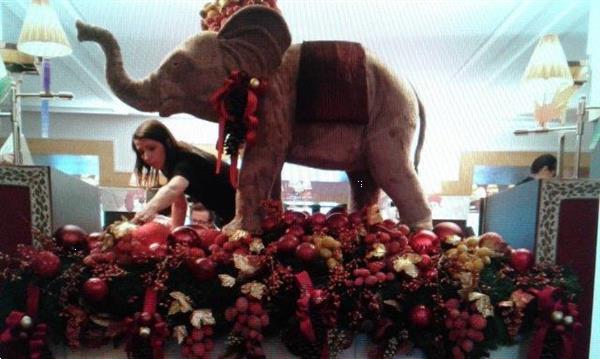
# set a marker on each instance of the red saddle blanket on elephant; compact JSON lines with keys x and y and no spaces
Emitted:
{"x":332,"y":83}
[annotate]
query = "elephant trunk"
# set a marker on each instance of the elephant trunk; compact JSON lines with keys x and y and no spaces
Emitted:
{"x":142,"y":95}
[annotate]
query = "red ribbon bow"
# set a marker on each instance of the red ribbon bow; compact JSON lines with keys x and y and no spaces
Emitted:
{"x":16,"y":338}
{"x":237,"y":81}
{"x":547,"y":305}
{"x":307,"y":294}
{"x":145,"y":328}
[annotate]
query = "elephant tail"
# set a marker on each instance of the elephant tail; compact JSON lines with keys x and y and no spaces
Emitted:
{"x":421,"y":139}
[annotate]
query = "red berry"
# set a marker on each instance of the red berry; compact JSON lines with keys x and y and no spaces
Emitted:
{"x":459,"y":324}
{"x":454,"y":313}
{"x":375,"y":267}
{"x":457,"y":353}
{"x":358,"y":281}
{"x":254,"y":322}
{"x":255,"y":308}
{"x":371,"y":280}
{"x":197,"y":335}
{"x":198,"y":349}
{"x":361,"y":272}
{"x":241,"y":304}
{"x":380,"y":276}
{"x":477,"y":321}
{"x":264,"y":320}
{"x":467,"y":345}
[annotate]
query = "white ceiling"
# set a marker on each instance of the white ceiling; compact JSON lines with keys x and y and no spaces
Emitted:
{"x":465,"y":57}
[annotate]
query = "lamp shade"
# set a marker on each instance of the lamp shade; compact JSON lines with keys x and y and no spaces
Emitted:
{"x":42,"y":35}
{"x":547,"y":75}
{"x":549,"y":64}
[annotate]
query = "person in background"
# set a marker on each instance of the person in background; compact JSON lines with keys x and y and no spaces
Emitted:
{"x":189,"y":171}
{"x":543,"y":167}
{"x":200,"y":215}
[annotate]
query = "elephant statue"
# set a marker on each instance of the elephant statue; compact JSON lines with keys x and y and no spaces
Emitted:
{"x":374,"y":150}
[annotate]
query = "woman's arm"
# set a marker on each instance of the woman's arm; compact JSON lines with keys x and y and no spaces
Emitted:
{"x":178,"y":211}
{"x":165,"y":197}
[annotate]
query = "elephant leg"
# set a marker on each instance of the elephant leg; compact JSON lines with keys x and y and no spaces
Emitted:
{"x":392,"y":169}
{"x":364,"y":190}
{"x":261,"y":166}
{"x":276,"y":188}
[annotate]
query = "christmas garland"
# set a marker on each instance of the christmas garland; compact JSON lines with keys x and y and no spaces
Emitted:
{"x":315,"y":281}
{"x":236,"y":103}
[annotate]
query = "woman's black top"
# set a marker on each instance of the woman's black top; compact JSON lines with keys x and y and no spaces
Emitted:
{"x":214,"y":191}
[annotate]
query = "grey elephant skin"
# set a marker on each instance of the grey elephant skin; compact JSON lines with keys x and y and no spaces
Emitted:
{"x":376,"y":154}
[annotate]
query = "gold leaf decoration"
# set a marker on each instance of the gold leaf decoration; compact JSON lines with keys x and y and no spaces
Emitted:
{"x":227,"y":280}
{"x":482,"y":303}
{"x":181,"y":303}
{"x":242,"y":263}
{"x":406,"y":264}
{"x":254,"y":289}
{"x":202,"y":317}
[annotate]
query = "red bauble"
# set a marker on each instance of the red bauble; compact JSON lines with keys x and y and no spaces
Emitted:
{"x":287,"y":243}
{"x":292,"y":217}
{"x":46,"y":264}
{"x":149,"y":241}
{"x":521,"y":259}
{"x":185,"y":235}
{"x":95,"y":289}
{"x":202,"y":268}
{"x":337,"y":221}
{"x":446,"y":229}
{"x":317,"y":219}
{"x":424,"y":242}
{"x":207,"y":237}
{"x":355,"y":218}
{"x":70,"y":236}
{"x":420,"y":316}
{"x":296,"y":230}
{"x":307,"y":252}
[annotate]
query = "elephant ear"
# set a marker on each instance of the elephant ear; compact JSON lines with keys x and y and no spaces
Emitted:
{"x":254,"y":40}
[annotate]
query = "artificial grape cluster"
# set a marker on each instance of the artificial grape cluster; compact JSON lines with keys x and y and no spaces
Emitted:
{"x":223,"y":248}
{"x":249,"y":319}
{"x":469,"y":256}
{"x":371,"y":275}
{"x":465,"y":328}
{"x":330,"y":249}
{"x":199,"y":343}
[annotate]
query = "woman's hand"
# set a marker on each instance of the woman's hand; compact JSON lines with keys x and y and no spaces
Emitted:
{"x":145,"y":215}
{"x":166,"y":195}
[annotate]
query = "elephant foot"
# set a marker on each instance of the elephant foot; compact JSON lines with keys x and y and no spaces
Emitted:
{"x":424,"y":224}
{"x":243,"y":224}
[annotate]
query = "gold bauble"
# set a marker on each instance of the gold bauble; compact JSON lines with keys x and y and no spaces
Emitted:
{"x":254,"y":82}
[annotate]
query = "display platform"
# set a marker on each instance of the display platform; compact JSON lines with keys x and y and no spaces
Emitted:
{"x":274,"y":349}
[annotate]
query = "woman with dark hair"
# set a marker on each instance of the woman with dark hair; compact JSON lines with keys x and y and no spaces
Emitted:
{"x":189,"y":170}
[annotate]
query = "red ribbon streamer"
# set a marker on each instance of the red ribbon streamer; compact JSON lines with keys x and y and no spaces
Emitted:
{"x":158,"y":328}
{"x":237,"y":80}
{"x":36,"y":334}
{"x":547,"y":304}
{"x":303,"y":305}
